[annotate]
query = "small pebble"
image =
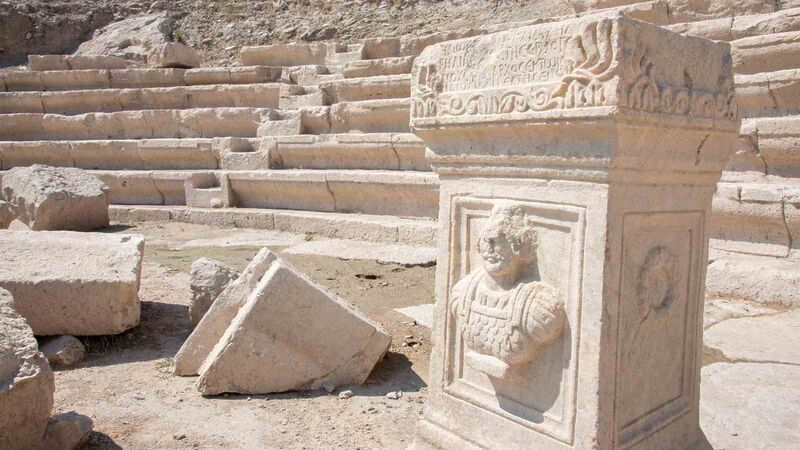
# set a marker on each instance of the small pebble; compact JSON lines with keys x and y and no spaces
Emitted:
{"x":345,"y":394}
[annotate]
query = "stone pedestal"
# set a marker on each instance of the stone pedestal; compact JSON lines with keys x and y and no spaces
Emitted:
{"x":577,"y":163}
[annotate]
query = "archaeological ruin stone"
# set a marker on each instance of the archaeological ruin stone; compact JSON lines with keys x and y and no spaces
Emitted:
{"x":578,"y":160}
{"x":131,"y":39}
{"x":26,"y":382}
{"x":62,"y":350}
{"x":173,"y":54}
{"x":56,"y":198}
{"x":213,"y":324}
{"x":291,"y":334}
{"x":67,"y":282}
{"x":207,"y":279}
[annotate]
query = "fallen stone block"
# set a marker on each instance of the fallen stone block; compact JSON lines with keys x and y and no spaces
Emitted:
{"x":67,"y":431}
{"x":63,"y":350}
{"x":131,"y":38}
{"x":222,"y":311}
{"x":26,"y":381}
{"x":207,"y":279}
{"x":73,"y":283}
{"x":56,"y":198}
{"x":173,"y":55}
{"x":291,"y":334}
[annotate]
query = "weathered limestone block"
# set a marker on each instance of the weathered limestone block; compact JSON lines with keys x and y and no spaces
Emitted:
{"x":208,"y":190}
{"x":56,"y":198}
{"x":222,"y":311}
{"x":766,"y":53}
{"x":65,"y":282}
{"x":26,"y":382}
{"x":284,"y":318}
{"x":131,"y":38}
{"x":173,"y":55}
{"x":378,"y":67}
{"x":207,"y":279}
{"x":63,"y":350}
{"x":75,"y":62}
{"x":577,"y":165}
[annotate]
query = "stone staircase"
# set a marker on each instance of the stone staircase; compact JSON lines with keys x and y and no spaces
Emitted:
{"x":307,"y":138}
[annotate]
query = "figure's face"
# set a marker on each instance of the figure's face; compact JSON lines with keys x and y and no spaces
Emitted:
{"x":498,"y":255}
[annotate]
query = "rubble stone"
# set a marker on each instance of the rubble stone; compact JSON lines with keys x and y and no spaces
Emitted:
{"x":173,"y":55}
{"x":26,"y":382}
{"x":67,"y":431}
{"x":131,"y":38}
{"x":291,"y":334}
{"x":208,"y":278}
{"x":63,"y":350}
{"x":66,"y":282}
{"x":6,"y":214}
{"x":56,"y":198}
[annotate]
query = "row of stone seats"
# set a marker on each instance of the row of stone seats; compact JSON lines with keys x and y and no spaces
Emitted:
{"x":407,"y":194}
{"x":380,"y":151}
{"x":369,"y":116}
{"x":256,"y":95}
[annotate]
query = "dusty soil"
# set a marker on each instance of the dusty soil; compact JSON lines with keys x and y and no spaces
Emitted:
{"x":218,"y":28}
{"x":125,"y":383}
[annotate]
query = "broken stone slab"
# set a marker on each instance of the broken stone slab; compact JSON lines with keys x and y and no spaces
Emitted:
{"x":207,"y":279}
{"x":67,"y":431}
{"x":56,"y":198}
{"x":732,"y":395}
{"x":63,"y":350}
{"x":773,"y":338}
{"x":26,"y":381}
{"x":212,"y":326}
{"x":67,"y":282}
{"x":406,"y":255}
{"x":173,"y":55}
{"x":292,"y":334}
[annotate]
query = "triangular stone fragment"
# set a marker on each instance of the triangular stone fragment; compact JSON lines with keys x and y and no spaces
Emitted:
{"x":213,"y":324}
{"x":291,"y":334}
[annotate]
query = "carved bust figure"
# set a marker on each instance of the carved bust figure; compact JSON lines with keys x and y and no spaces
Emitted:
{"x":504,"y":312}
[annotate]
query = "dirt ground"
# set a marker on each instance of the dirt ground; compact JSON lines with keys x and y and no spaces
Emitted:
{"x":126,"y":387}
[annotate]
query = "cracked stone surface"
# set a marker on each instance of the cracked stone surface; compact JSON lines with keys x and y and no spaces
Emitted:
{"x":772,"y":338}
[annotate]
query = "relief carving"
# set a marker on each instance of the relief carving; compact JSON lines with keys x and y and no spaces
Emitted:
{"x":588,"y":62}
{"x":504,"y":314}
{"x":655,"y":287}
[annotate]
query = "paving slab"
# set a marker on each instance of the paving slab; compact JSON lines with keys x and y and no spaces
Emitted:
{"x":772,"y":338}
{"x":746,"y":406}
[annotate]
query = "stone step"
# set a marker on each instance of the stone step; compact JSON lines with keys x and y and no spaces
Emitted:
{"x":732,"y":28}
{"x":310,"y":75}
{"x":112,"y":100}
{"x":67,"y":80}
{"x":166,"y":123}
{"x":768,"y":151}
{"x":756,"y":218}
{"x":768,"y":93}
{"x":373,"y":228}
{"x":75,"y":62}
{"x":389,"y":151}
{"x":368,"y":116}
{"x":766,"y":53}
{"x":318,"y":53}
{"x":764,"y":279}
{"x":386,"y":151}
{"x":410,"y":194}
{"x":379,"y":67}
{"x":368,"y":88}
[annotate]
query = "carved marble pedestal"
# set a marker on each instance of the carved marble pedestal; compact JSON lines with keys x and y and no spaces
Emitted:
{"x":577,"y":163}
